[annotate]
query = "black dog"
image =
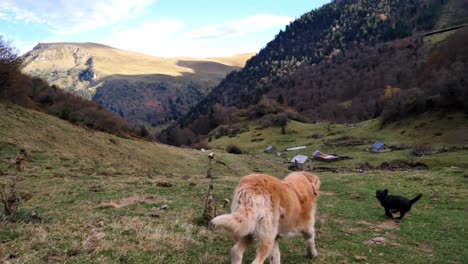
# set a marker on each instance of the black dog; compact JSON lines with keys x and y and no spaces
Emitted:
{"x":393,"y":204}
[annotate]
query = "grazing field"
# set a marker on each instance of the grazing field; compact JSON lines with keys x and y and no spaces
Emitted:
{"x":91,"y":197}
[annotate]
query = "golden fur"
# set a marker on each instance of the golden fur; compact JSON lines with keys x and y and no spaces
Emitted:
{"x":265,"y":208}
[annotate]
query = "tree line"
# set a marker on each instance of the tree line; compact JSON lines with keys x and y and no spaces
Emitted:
{"x":312,"y":46}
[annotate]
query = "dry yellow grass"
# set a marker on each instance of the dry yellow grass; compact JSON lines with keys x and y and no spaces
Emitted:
{"x":238,"y":60}
{"x":109,"y":61}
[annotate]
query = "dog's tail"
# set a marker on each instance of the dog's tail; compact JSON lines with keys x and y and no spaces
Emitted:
{"x":415,"y":199}
{"x":237,"y":224}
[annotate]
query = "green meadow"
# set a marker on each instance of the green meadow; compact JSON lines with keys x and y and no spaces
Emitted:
{"x":93,"y":197}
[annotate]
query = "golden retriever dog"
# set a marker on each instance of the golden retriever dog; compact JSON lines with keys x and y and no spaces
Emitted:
{"x":265,"y":208}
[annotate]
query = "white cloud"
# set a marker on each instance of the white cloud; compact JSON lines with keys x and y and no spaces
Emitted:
{"x":244,"y":25}
{"x":72,"y":16}
{"x":18,"y":43}
{"x":172,"y":38}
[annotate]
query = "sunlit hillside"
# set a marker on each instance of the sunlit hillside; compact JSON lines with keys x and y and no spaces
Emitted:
{"x":109,"y":61}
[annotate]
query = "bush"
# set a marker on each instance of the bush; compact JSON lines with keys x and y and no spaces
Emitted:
{"x":233,"y":149}
{"x":421,"y":149}
{"x":9,"y":196}
{"x":143,"y":131}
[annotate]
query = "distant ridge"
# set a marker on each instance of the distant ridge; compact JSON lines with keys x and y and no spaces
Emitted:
{"x":143,"y":89}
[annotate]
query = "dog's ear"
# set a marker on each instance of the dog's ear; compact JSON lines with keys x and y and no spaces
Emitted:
{"x":385,"y":191}
{"x":314,"y":190}
{"x":315,"y":185}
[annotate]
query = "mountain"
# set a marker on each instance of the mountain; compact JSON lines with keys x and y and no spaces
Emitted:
{"x":140,"y":88}
{"x":35,"y":93}
{"x":334,"y":64}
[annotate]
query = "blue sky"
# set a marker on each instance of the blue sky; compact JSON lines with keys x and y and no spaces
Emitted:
{"x":165,"y":28}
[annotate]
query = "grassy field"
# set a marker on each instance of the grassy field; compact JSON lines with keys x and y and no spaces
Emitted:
{"x":99,"y":198}
{"x":441,"y":131}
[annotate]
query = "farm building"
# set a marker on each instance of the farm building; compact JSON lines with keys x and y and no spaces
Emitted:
{"x":300,"y":162}
{"x":379,"y":147}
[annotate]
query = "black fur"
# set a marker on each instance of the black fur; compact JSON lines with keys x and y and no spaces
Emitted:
{"x":393,"y":203}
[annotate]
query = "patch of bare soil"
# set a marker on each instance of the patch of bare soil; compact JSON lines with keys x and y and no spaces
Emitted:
{"x":91,"y":242}
{"x":164,"y":184}
{"x":386,"y":225}
{"x":346,"y":141}
{"x":352,"y":230}
{"x":429,"y":206}
{"x":426,"y":247}
{"x":391,"y":235}
{"x":380,"y":241}
{"x":363,"y":222}
{"x":357,"y":196}
{"x":327,"y":193}
{"x":149,"y":199}
{"x":399,"y":166}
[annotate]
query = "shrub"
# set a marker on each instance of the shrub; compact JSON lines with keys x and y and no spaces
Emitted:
{"x":422,"y":149}
{"x":233,"y":149}
{"x":143,"y":131}
{"x":9,"y":196}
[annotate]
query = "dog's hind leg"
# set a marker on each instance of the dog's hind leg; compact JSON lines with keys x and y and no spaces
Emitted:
{"x":275,"y":257}
{"x":309,"y":241}
{"x":239,"y":248}
{"x":264,"y":249}
{"x":266,"y":235}
{"x":402,"y":213}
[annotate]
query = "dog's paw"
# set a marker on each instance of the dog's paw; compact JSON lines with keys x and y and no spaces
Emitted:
{"x":312,"y":254}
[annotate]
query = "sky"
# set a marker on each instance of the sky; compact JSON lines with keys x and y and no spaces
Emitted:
{"x":164,"y":28}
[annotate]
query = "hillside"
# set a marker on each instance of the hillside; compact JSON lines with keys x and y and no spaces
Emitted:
{"x":88,"y":151}
{"x":35,"y":93}
{"x":92,"y":197}
{"x":455,"y":12}
{"x":441,"y":131}
{"x":140,"y":88}
{"x":334,"y":64}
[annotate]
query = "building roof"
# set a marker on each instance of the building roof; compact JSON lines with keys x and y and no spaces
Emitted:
{"x":300,"y":159}
{"x":321,"y":156}
{"x":296,"y":148}
{"x":377,"y":145}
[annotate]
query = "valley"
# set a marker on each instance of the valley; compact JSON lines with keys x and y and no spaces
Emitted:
{"x":143,"y":89}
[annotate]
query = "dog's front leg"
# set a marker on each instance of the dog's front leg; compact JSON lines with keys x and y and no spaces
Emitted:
{"x":388,"y":213}
{"x":309,"y":241}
